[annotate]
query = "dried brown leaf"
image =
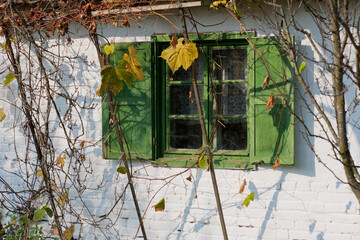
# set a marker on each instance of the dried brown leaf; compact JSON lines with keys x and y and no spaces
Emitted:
{"x":277,"y":163}
{"x":271,"y":102}
{"x":54,"y":231}
{"x":125,"y":22}
{"x":173,"y":41}
{"x":82,"y":144}
{"x":189,"y":178}
{"x":115,"y":23}
{"x":92,"y":27}
{"x":266,"y":82}
{"x":242,"y":187}
{"x":191,"y":97}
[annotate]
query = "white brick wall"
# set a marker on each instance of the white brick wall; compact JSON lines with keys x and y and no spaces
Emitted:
{"x":304,"y":201}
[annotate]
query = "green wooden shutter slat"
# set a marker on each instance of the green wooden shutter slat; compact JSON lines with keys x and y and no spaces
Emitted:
{"x":134,"y":105}
{"x":271,"y":132}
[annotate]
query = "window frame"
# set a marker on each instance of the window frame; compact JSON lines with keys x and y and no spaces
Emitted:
{"x":188,"y":157}
{"x":264,"y":57}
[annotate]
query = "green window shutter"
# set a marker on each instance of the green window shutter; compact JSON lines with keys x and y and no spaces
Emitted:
{"x":134,"y":105}
{"x":271,"y":132}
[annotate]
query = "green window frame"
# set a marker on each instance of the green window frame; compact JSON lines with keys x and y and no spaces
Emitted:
{"x":269,"y":134}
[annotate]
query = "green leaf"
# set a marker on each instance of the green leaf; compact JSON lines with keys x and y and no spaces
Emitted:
{"x":9,"y":78}
{"x":181,"y":55}
{"x":110,"y":79}
{"x":39,"y":214}
{"x":109,"y":49}
{"x":121,"y":170}
{"x":48,"y":210}
{"x":202,"y":162}
{"x":24,"y":220}
{"x":123,"y":73}
{"x":302,"y":67}
{"x":160,"y":206}
{"x":247,"y":200}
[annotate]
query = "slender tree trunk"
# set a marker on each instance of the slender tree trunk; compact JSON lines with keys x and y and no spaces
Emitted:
{"x":210,"y":165}
{"x":339,"y":100}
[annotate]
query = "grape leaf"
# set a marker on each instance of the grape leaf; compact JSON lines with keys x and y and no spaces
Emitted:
{"x":121,"y":170}
{"x":54,"y":231}
{"x":48,"y":210}
{"x":189,"y":177}
{"x":125,"y":22}
{"x":271,"y":102}
{"x":202,"y":162}
{"x":134,"y":63}
{"x":123,"y":73}
{"x":9,"y":78}
{"x":302,"y":67}
{"x":63,"y":197}
{"x":266,"y":82}
{"x":160,"y":206}
{"x":110,"y":79}
{"x":24,"y":220}
{"x":173,"y":41}
{"x":182,"y":55}
{"x":2,"y":115}
{"x":39,"y":173}
{"x":247,"y":200}
{"x":277,"y":163}
{"x":242,"y":187}
{"x":109,"y":49}
{"x":39,"y":214}
{"x":68,"y":233}
{"x":61,"y":161}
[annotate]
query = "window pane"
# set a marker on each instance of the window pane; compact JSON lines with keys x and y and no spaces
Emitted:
{"x":182,"y":102}
{"x":231,"y":136}
{"x":182,"y":75}
{"x":230,"y":64}
{"x":230,"y":99}
{"x":185,"y":133}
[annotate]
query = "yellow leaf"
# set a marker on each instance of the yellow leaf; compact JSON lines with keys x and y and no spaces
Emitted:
{"x":9,"y":78}
{"x":202,"y":162}
{"x":3,"y":46}
{"x":68,"y":233}
{"x":109,"y":49}
{"x":63,"y":197}
{"x":182,"y":55}
{"x":39,"y":173}
{"x":134,"y":63}
{"x":61,"y":161}
{"x":2,"y":115}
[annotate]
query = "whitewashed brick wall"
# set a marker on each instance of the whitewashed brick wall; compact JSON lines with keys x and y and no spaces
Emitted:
{"x":304,"y":201}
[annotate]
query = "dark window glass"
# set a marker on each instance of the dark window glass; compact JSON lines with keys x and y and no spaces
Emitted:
{"x":185,"y":133}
